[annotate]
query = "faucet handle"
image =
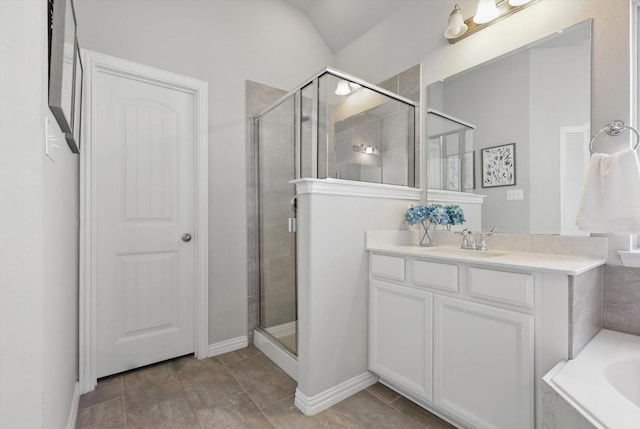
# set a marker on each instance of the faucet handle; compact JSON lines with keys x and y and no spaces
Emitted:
{"x":465,"y":242}
{"x":483,"y":243}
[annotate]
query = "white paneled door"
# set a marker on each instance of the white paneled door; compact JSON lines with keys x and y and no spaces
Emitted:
{"x":145,"y":135}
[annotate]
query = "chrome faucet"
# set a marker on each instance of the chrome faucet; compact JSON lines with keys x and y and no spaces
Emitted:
{"x":469,"y":241}
{"x":468,"y":236}
{"x":463,"y":233}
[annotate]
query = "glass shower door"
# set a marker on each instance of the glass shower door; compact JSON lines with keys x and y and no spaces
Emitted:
{"x":276,"y":224}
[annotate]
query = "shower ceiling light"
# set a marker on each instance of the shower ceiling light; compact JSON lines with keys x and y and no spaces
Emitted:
{"x":487,"y":13}
{"x":343,"y":88}
{"x":346,"y":88}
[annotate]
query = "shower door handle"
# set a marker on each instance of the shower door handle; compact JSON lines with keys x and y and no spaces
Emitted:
{"x":292,"y":224}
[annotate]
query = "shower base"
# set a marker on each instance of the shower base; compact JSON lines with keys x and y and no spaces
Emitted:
{"x":286,"y":334}
{"x":269,"y":345}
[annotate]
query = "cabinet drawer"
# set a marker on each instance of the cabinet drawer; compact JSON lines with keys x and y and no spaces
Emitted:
{"x":390,"y":267}
{"x":509,"y":288}
{"x":435,"y":275}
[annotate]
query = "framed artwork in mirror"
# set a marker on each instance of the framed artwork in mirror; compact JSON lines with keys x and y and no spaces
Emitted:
{"x":62,"y":60}
{"x":499,"y":166}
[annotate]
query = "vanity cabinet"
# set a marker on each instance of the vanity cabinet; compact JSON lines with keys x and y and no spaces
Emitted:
{"x":401,"y":336}
{"x":483,"y":363}
{"x":455,"y":338}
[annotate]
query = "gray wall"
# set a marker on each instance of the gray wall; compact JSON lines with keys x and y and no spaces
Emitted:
{"x":38,"y":234}
{"x":495,"y":98}
{"x":560,"y":97}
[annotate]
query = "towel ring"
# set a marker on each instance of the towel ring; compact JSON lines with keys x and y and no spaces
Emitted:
{"x":615,"y":128}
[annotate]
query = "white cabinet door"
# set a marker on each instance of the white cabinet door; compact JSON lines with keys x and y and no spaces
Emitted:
{"x":483,"y":364}
{"x":400,"y":337}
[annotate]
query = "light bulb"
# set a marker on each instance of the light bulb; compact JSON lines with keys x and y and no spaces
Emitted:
{"x":368,"y":150}
{"x":487,"y":11}
{"x":343,"y":88}
{"x":456,"y":27}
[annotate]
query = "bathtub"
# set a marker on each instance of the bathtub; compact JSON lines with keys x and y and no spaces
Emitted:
{"x":603,"y":382}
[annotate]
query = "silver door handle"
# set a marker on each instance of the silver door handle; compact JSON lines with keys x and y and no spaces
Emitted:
{"x":186,"y":237}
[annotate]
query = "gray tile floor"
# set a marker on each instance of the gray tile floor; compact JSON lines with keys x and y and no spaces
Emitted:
{"x":241,"y":389}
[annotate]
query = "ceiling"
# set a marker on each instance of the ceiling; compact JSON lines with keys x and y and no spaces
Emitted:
{"x":340,"y":22}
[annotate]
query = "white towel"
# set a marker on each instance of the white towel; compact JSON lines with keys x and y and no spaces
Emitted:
{"x":611,"y":196}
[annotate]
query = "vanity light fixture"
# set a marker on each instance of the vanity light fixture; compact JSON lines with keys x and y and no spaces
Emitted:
{"x":456,"y":27}
{"x":368,"y":150}
{"x":487,"y":13}
{"x":346,"y":88}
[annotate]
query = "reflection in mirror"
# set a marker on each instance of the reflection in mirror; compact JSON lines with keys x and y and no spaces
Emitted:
{"x":363,"y":133}
{"x":537,"y":97}
{"x":450,"y":152}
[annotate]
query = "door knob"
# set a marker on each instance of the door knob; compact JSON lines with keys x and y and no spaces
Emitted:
{"x":186,"y":237}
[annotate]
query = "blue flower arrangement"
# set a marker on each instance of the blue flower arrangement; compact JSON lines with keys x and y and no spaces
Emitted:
{"x":438,"y":214}
{"x":455,"y":213}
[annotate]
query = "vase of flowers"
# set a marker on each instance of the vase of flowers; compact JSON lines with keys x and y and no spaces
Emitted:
{"x":434,"y":214}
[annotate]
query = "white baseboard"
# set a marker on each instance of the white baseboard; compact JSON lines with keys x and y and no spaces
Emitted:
{"x":278,"y":356}
{"x":323,"y":400}
{"x":227,"y":346}
{"x":73,"y":411}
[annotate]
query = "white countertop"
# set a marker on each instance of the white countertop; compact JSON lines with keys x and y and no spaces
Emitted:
{"x":561,"y":264}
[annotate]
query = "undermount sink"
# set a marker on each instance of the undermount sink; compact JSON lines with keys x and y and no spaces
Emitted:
{"x":463,"y":252}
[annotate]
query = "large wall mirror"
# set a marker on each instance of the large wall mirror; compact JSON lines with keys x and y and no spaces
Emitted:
{"x":516,"y":129}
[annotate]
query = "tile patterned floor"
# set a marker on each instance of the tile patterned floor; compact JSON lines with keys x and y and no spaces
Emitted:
{"x":241,"y":389}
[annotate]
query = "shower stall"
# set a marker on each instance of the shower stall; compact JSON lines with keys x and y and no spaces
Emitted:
{"x":450,"y":155}
{"x":333,"y":127}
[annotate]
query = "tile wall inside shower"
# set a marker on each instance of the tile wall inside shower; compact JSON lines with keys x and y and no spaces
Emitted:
{"x":258,"y":97}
